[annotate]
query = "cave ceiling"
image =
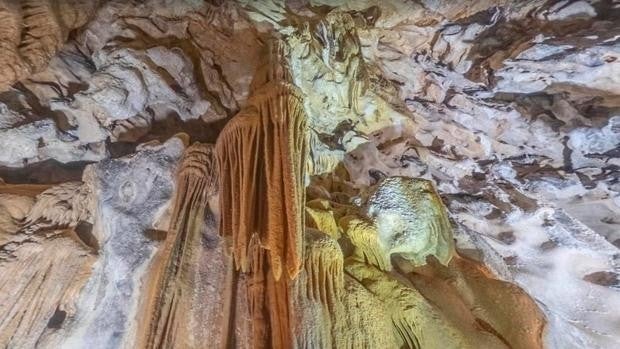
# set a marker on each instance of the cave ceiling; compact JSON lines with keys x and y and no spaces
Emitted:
{"x":310,"y":174}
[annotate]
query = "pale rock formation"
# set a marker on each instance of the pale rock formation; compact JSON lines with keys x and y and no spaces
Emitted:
{"x":65,"y":205}
{"x":405,"y":174}
{"x":410,"y":220}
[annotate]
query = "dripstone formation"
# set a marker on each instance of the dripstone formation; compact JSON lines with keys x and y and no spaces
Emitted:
{"x":309,"y":174}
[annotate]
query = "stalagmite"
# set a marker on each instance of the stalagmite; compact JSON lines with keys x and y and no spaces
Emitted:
{"x":416,"y":321}
{"x":361,"y":321}
{"x":470,"y":293}
{"x":322,"y":219}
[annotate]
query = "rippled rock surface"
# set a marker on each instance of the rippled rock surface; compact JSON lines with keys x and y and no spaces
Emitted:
{"x":432,"y":174}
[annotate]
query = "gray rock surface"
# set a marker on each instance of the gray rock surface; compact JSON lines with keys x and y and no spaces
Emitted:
{"x":132,"y":193}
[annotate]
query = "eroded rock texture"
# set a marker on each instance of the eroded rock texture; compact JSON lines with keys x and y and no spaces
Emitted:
{"x":310,"y":174}
{"x":33,"y":31}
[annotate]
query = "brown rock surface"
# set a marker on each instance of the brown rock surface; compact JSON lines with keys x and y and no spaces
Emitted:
{"x":361,"y":174}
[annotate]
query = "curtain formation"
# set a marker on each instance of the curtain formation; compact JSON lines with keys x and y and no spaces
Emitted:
{"x":196,"y":182}
{"x":261,"y":153}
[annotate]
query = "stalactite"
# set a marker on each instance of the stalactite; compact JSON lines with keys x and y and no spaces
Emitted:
{"x":11,"y":64}
{"x":269,"y":301}
{"x":321,"y":159}
{"x":256,"y":293}
{"x":323,"y":220}
{"x":239,"y":188}
{"x":324,"y":267}
{"x":43,"y":273}
{"x":196,"y":182}
{"x":340,"y":49}
{"x":198,"y":169}
{"x":13,"y":209}
{"x":42,"y":34}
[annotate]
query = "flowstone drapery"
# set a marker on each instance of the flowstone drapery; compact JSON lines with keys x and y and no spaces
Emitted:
{"x":33,"y":31}
{"x":261,"y":154}
{"x":169,"y":301}
{"x":309,"y":174}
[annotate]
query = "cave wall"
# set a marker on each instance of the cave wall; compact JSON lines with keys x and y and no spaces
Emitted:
{"x":505,"y":113}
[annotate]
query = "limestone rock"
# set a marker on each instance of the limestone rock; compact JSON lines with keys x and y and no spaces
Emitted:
{"x":395,"y":174}
{"x":411,"y":220}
